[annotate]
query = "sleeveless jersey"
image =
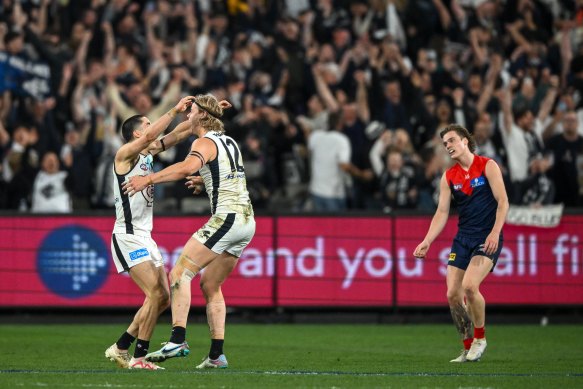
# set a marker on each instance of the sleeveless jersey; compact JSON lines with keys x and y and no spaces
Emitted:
{"x":224,"y":177}
{"x":134,"y":214}
{"x":474,"y":198}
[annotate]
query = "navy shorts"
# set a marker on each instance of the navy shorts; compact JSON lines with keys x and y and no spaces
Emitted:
{"x":465,"y":248}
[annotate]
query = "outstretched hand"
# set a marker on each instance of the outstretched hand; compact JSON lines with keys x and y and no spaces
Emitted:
{"x":195,"y":183}
{"x":184,"y":103}
{"x":135,"y":184}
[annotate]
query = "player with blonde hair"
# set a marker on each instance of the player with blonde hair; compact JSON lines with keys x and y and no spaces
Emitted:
{"x":216,"y":246}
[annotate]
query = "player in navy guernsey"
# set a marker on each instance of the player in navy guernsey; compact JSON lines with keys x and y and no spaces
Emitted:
{"x":475,"y":184}
{"x":216,"y":246}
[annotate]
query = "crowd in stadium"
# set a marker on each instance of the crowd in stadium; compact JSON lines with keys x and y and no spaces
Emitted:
{"x":337,"y":104}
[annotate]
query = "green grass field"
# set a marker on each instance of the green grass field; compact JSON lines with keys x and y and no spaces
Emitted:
{"x":275,"y":356}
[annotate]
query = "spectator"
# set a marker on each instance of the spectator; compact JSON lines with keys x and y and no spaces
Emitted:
{"x":19,"y":167}
{"x":567,"y":170}
{"x":50,"y":190}
{"x":330,"y":163}
{"x":398,"y":185}
{"x":287,"y":66}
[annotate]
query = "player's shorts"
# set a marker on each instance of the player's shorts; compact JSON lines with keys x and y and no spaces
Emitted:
{"x":129,"y":250}
{"x":230,"y":232}
{"x":465,"y":248}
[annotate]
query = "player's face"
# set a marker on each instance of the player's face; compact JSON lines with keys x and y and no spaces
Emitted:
{"x":454,"y":144}
{"x":570,"y":123}
{"x":145,"y":124}
{"x":195,"y":114}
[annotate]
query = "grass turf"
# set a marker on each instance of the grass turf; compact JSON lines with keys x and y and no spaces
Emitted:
{"x":276,"y":356}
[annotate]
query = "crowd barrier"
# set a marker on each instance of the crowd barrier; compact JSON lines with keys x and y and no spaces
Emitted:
{"x":293,"y":261}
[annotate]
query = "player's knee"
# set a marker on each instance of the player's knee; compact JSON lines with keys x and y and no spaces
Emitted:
{"x":470,"y":288}
{"x":454,"y":297}
{"x":175,"y":274}
{"x":157,"y":295}
{"x":180,"y":275}
{"x":209,"y":288}
{"x":164,"y":298}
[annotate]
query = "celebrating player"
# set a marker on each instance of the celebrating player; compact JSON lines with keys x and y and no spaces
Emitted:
{"x":132,"y":246}
{"x":220,"y":241}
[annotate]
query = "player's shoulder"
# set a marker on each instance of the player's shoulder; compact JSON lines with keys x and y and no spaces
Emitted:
{"x":481,"y":160}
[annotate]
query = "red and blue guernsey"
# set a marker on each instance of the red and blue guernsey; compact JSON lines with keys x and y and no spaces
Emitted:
{"x":474,"y":198}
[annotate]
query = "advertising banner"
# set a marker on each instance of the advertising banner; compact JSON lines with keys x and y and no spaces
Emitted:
{"x":536,"y":265}
{"x":65,"y":261}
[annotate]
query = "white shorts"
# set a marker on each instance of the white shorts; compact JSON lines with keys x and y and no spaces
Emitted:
{"x":129,"y":250}
{"x":230,"y":232}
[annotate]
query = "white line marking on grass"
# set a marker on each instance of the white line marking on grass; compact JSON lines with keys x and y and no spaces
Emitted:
{"x":304,"y":373}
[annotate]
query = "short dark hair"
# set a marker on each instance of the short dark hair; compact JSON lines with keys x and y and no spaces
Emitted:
{"x":462,"y":132}
{"x":334,"y":118}
{"x":520,"y":110}
{"x":10,"y":36}
{"x":130,"y":125}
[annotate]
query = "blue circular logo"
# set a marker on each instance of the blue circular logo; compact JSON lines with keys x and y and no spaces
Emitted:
{"x":72,"y":261}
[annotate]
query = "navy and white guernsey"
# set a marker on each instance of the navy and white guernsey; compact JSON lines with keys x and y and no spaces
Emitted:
{"x":474,"y":198}
{"x":134,"y":214}
{"x":224,"y":177}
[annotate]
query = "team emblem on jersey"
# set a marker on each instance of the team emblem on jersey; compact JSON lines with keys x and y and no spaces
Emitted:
{"x":457,"y":186}
{"x":148,"y":194}
{"x":452,"y":257}
{"x":144,"y":167}
{"x":478,"y":181}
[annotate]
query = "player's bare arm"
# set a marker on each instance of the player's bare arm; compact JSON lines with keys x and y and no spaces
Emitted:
{"x":181,"y":132}
{"x":438,"y":221}
{"x":494,"y":176}
{"x":129,"y":151}
{"x":202,"y":151}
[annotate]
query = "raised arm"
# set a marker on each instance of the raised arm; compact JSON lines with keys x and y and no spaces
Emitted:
{"x":181,"y":132}
{"x":362,"y":96}
{"x":549,"y":100}
{"x":324,"y":90}
{"x":505,"y":97}
{"x":491,"y":77}
{"x":202,"y":151}
{"x":131,"y":149}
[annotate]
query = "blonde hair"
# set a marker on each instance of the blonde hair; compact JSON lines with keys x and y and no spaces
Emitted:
{"x":210,"y":105}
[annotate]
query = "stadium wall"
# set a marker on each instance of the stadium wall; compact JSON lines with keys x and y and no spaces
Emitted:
{"x":293,"y":261}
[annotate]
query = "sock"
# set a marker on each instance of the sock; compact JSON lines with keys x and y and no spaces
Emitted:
{"x":468,"y":343}
{"x":178,"y":335}
{"x":479,"y":332}
{"x":216,"y":348}
{"x":125,"y":341}
{"x":141,"y":348}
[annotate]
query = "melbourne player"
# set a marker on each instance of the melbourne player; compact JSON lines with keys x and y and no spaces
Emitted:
{"x":218,"y":244}
{"x":133,"y":249}
{"x":476,"y":185}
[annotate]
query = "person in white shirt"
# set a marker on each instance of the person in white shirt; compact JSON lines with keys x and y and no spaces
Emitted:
{"x":49,"y":191}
